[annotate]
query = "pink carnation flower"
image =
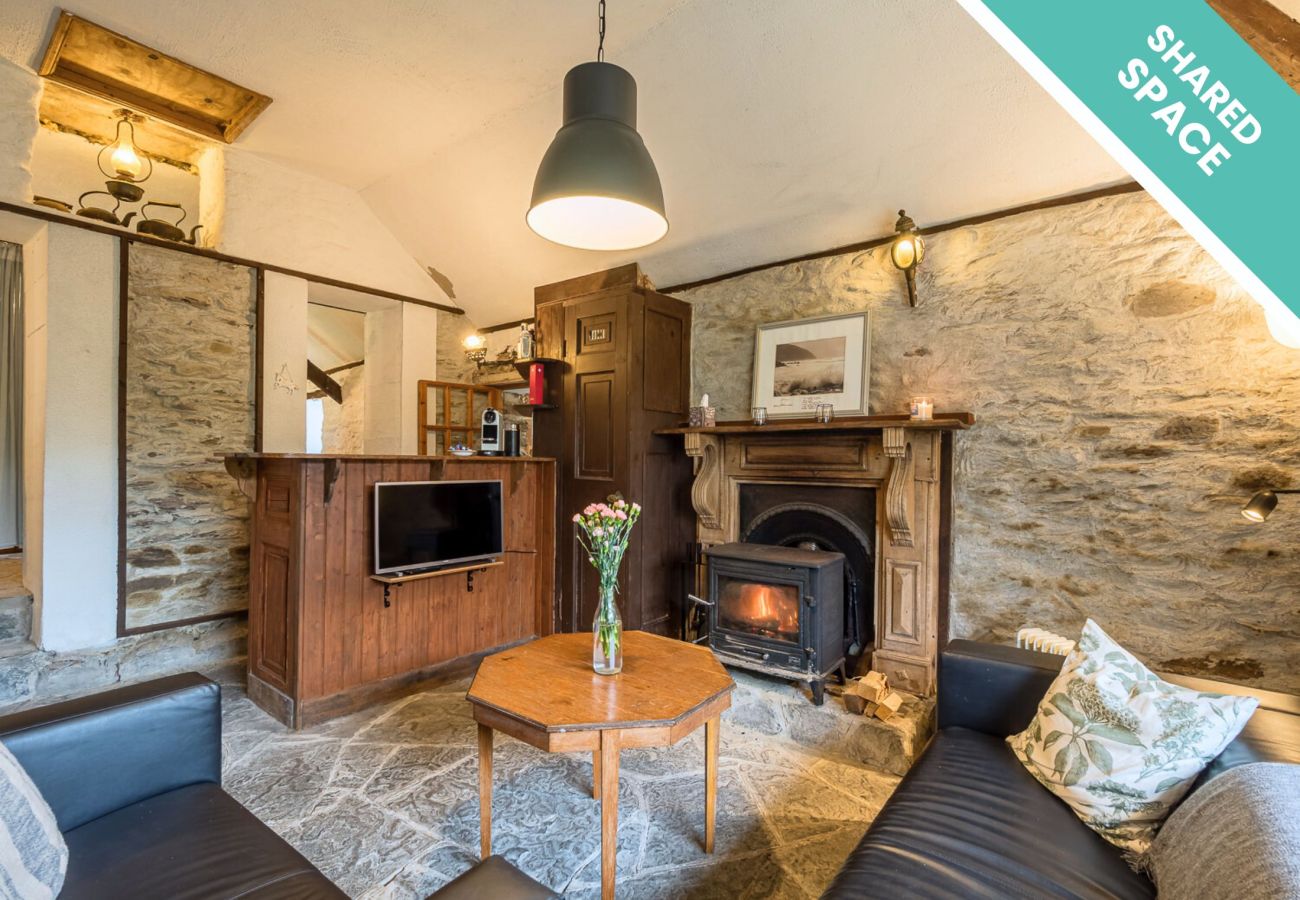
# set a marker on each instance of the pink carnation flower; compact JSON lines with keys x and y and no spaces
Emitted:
{"x":598,"y":531}
{"x":577,"y":518}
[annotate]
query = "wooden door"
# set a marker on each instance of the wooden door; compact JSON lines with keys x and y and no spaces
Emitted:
{"x":595,"y":463}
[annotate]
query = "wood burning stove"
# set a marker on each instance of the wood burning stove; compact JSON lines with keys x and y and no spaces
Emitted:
{"x":777,"y":610}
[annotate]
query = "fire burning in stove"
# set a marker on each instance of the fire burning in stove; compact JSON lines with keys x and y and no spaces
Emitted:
{"x":769,"y":610}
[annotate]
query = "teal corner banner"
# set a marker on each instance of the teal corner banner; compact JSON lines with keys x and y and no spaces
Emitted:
{"x":1194,"y":114}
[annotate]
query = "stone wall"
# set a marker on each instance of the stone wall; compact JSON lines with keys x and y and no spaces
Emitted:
{"x":344,"y":428}
{"x":37,"y":677}
{"x":1129,"y":399}
{"x":190,"y":396}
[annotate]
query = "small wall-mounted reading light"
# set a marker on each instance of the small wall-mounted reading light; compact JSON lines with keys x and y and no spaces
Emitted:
{"x":475,"y":348}
{"x":907,"y":251}
{"x":1263,"y":503}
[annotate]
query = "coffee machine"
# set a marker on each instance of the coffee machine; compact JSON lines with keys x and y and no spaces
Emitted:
{"x":489,"y":442}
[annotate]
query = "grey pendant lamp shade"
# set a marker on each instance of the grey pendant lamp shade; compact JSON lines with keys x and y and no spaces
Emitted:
{"x":597,"y":188}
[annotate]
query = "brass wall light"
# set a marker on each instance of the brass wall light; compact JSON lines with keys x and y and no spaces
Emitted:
{"x":1263,"y":503}
{"x":124,"y":159}
{"x":475,"y":348}
{"x":907,"y":251}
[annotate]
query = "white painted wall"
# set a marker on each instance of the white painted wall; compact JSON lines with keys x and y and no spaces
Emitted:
{"x":419,"y":361}
{"x":284,"y":365}
{"x":20,"y":92}
{"x":384,"y":380}
{"x":78,"y":498}
{"x":275,"y":214}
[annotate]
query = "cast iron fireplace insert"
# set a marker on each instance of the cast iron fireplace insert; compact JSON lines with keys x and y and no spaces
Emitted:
{"x":778,"y":610}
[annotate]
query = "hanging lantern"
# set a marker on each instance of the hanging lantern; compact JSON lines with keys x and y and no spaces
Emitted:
{"x":124,"y":161}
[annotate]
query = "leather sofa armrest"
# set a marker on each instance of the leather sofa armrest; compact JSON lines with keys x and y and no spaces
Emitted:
{"x":101,"y":753}
{"x":992,"y":688}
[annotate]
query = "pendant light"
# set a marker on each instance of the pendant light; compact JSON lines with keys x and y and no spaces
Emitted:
{"x":597,"y":188}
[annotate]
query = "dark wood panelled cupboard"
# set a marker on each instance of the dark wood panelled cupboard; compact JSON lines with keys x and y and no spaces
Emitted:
{"x":625,"y":371}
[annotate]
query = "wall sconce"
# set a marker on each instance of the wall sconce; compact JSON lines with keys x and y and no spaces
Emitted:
{"x":1263,"y":503}
{"x":475,"y":348}
{"x":907,"y":251}
{"x":124,"y":160}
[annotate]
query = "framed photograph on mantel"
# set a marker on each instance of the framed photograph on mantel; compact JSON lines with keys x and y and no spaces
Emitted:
{"x":803,"y":363}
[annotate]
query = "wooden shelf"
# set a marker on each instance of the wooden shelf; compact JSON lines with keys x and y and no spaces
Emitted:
{"x":949,"y":421}
{"x":522,"y":364}
{"x":420,"y":576}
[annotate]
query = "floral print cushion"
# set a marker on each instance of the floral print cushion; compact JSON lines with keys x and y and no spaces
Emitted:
{"x":1121,"y":746}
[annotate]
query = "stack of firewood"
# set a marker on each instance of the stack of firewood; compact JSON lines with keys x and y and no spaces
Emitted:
{"x":870,"y":696}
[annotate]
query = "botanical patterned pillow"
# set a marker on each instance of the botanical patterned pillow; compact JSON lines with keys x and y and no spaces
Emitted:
{"x":1121,"y":746}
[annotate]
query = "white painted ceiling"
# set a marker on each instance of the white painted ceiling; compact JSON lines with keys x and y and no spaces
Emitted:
{"x":779,"y":127}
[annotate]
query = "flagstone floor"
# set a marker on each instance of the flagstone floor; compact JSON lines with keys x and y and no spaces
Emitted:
{"x":385,"y":802}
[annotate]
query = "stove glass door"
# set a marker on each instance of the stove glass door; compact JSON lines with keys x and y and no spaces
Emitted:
{"x":765,"y":610}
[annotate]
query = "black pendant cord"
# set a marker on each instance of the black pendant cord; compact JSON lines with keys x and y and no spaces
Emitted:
{"x":600,"y":48}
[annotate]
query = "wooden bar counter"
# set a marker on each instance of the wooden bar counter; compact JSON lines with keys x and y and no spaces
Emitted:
{"x":324,"y":636}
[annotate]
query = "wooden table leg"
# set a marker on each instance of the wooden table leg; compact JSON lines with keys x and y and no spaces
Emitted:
{"x":608,"y":811}
{"x":711,"y":734}
{"x":595,"y":774}
{"x":485,"y":790}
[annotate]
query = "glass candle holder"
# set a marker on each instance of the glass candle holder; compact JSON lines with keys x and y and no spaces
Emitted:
{"x":824,"y":412}
{"x":758,"y":415}
{"x":922,"y":409}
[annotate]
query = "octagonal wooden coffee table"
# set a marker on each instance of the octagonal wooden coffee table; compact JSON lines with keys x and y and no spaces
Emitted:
{"x":545,"y":693}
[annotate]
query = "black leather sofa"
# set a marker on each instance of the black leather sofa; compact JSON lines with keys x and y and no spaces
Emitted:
{"x":134,"y":778}
{"x":969,"y":821}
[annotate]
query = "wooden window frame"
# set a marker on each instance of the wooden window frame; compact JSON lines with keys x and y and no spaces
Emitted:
{"x":446,"y":428}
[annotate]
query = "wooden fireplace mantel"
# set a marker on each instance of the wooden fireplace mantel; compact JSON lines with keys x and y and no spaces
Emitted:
{"x":946,"y":421}
{"x":907,"y":462}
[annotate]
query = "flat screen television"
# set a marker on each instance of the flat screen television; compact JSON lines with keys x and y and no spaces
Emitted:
{"x":429,"y":524}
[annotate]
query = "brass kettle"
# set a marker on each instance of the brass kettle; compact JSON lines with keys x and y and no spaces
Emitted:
{"x":161,"y":228}
{"x":121,"y":192}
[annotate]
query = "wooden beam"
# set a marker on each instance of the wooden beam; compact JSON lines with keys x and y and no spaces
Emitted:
{"x":316,"y":375}
{"x":49,"y":215}
{"x":1273,"y":34}
{"x":1128,"y":187}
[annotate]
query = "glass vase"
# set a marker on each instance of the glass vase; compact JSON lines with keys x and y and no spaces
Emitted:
{"x":607,"y":636}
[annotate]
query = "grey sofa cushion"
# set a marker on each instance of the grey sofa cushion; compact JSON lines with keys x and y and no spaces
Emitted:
{"x":1237,"y":837}
{"x":33,"y":854}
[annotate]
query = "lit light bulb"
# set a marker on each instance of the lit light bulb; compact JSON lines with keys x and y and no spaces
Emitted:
{"x":904,"y":253}
{"x":473,"y":341}
{"x":124,"y":160}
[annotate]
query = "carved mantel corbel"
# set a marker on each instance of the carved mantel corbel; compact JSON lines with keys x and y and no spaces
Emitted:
{"x":705,"y":451}
{"x":898,"y":489}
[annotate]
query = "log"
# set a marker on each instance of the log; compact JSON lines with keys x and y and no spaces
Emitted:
{"x":871,"y":687}
{"x":855,"y":703}
{"x":888,"y":705}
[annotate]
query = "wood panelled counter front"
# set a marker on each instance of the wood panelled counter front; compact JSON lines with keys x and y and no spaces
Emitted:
{"x":321,"y":641}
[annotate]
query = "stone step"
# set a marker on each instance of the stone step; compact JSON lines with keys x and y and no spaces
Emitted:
{"x":15,"y":619}
{"x":783,"y":710}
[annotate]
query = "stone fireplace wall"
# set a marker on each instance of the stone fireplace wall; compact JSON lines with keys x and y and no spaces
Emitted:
{"x":1129,"y":398}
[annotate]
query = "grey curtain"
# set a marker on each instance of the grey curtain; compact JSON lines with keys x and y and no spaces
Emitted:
{"x":11,"y":395}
